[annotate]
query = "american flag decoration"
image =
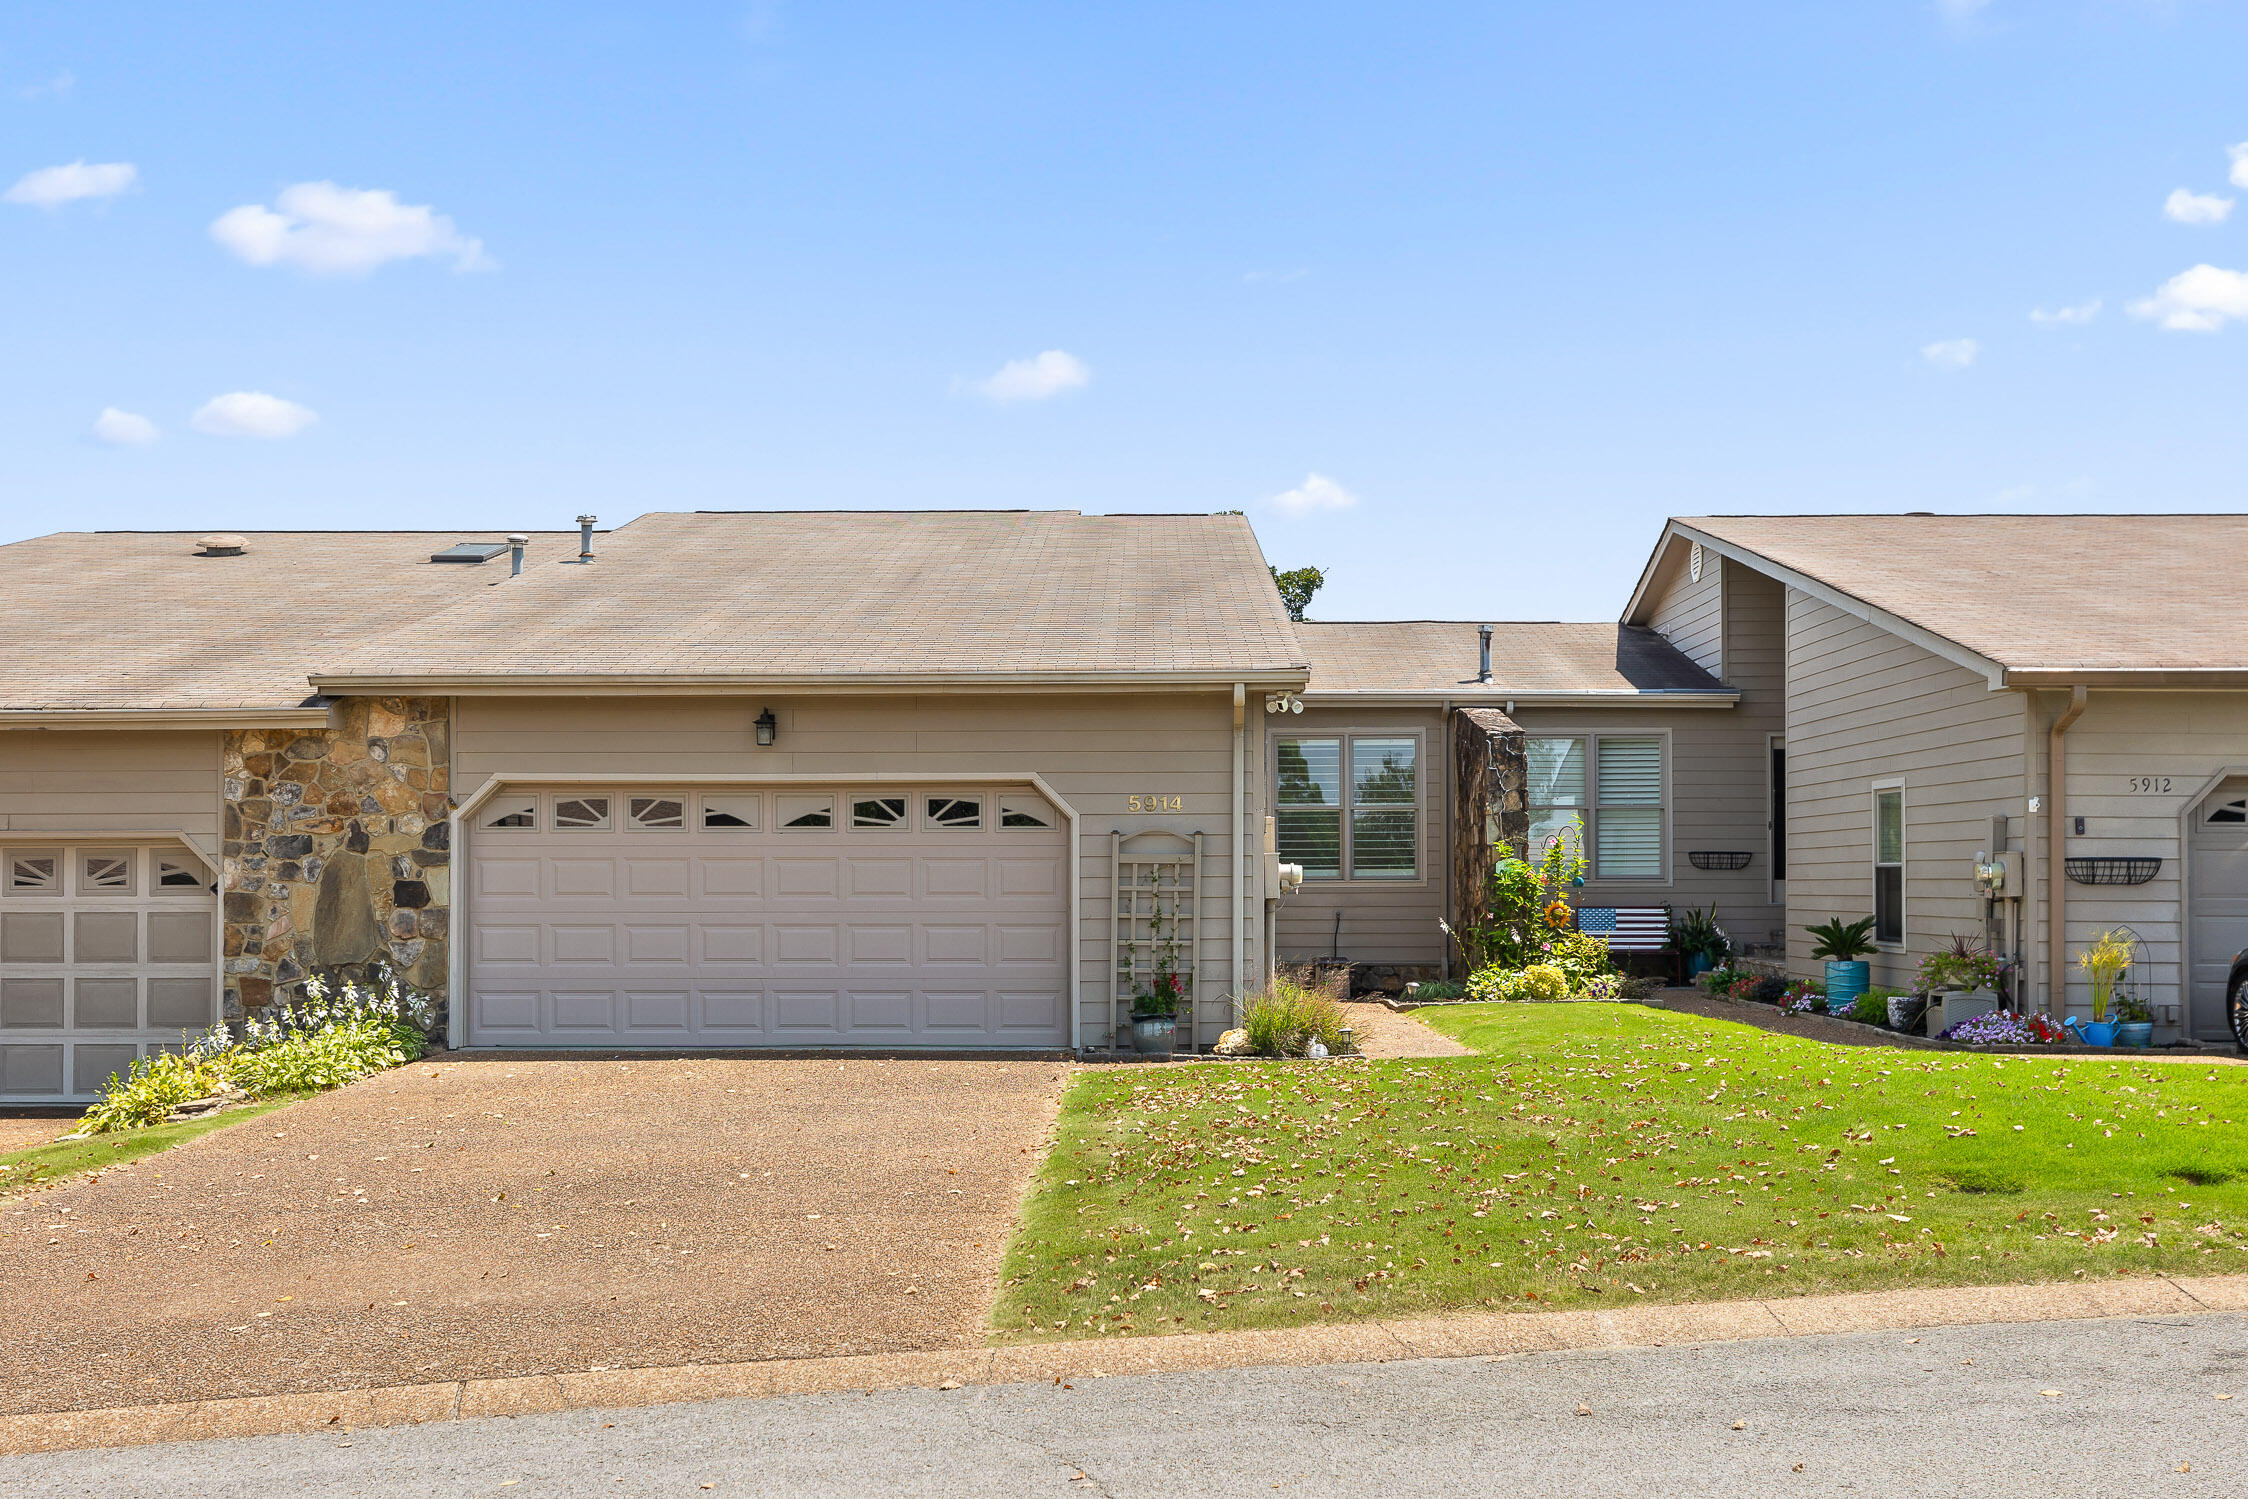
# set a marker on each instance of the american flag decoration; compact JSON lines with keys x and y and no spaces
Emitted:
{"x":1627,"y":928}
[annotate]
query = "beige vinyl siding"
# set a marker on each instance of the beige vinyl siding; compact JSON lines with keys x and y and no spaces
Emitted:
{"x":134,"y":780}
{"x":1865,"y":706}
{"x":1094,"y":751}
{"x":1691,"y":615}
{"x":2190,"y":740}
{"x":1713,"y":798}
{"x":1386,"y":922}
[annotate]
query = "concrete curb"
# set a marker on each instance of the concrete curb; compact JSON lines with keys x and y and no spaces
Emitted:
{"x":1368,"y":1341}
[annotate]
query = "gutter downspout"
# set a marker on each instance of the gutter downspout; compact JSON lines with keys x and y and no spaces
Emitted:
{"x":2056,"y":864}
{"x":1236,"y":915}
{"x":1446,"y":780}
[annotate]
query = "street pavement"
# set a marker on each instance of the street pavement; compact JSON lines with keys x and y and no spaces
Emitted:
{"x":2155,"y":1406}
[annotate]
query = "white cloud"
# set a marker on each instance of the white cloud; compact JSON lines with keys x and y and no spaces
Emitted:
{"x":1317,"y":492}
{"x":2201,"y":300}
{"x":2064,"y":317}
{"x":123,"y":429}
{"x":51,"y":187}
{"x":331,"y":230}
{"x":1951,"y":353}
{"x":2183,"y":207}
{"x":1034,"y":379}
{"x":2239,"y":155}
{"x":251,"y":413}
{"x":57,"y":87}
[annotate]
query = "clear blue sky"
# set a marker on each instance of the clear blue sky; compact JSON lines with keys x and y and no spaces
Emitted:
{"x":1518,"y":280}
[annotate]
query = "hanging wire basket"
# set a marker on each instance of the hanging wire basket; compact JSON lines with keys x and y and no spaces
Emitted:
{"x":2109,"y":869}
{"x":1706,"y":858}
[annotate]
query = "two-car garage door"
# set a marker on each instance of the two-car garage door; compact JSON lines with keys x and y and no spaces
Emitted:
{"x":620,"y":915}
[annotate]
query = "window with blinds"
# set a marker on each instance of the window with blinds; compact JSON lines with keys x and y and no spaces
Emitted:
{"x":1628,"y":822}
{"x":1381,"y":809}
{"x":1349,"y":807}
{"x":1889,"y":865}
{"x":1611,"y":784}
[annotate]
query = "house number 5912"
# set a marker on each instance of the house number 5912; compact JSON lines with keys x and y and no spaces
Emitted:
{"x":2149,"y":783}
{"x":1152,"y":804}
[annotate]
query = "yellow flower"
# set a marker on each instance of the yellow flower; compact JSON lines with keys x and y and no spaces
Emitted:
{"x":1557,"y":914}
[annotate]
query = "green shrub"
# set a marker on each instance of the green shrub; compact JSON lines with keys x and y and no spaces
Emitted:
{"x":1540,"y":982}
{"x":1289,"y":1015}
{"x":1582,"y":956}
{"x":1435,"y":991}
{"x":1871,"y":1008}
{"x":151,"y":1089}
{"x":314,"y":1061}
{"x":322,"y":1041}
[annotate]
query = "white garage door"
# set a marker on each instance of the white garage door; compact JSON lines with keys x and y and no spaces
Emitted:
{"x":2220,"y":904}
{"x":107,"y":953}
{"x":683,"y":916}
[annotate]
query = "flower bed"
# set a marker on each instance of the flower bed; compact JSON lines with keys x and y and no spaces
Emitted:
{"x":321,"y":1042}
{"x":1871,"y":1009}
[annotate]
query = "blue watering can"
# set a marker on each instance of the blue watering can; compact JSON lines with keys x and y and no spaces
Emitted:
{"x":2092,"y":1033}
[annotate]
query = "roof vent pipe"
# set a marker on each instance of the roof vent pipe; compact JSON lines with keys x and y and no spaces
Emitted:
{"x":1483,"y":658}
{"x":515,"y":545}
{"x":585,"y":538}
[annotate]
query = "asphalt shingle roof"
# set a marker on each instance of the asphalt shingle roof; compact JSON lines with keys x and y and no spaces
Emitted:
{"x":2034,"y":593}
{"x":1439,"y":657}
{"x":138,"y":621}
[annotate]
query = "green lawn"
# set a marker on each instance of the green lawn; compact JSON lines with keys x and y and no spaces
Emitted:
{"x":42,"y":1165}
{"x":1601,"y":1154}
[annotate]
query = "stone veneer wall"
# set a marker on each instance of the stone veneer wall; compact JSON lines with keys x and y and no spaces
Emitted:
{"x":336,"y":855}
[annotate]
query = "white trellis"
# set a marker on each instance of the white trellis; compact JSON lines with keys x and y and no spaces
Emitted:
{"x":1154,"y":921}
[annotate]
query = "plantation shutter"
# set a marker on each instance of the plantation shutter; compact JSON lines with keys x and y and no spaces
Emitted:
{"x":1628,"y":838}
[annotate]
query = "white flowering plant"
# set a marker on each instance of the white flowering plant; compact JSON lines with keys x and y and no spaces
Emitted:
{"x":330,"y":1037}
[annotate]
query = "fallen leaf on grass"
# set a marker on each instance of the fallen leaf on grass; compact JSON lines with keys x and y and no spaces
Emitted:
{"x":1740,"y":1426}
{"x":2050,"y":1394}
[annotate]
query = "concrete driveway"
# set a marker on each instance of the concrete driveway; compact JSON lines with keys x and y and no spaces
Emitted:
{"x":529,"y":1215}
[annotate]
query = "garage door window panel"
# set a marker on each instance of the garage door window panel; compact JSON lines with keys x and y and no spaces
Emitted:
{"x":877,"y":813}
{"x":179,"y":876}
{"x":732,"y":813}
{"x":1017,"y":814}
{"x":655,"y":813}
{"x":105,"y":874}
{"x":35,"y":873}
{"x":804,"y":814}
{"x":581,"y":814}
{"x":962,"y":814}
{"x":510,"y":814}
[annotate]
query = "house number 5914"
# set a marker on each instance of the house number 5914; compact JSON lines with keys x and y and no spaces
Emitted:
{"x":1153,"y":804}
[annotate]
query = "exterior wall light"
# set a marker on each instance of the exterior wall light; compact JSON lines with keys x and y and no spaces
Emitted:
{"x":766,"y":724}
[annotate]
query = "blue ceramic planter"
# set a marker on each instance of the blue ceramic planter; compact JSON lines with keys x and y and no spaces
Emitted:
{"x":1846,"y":981}
{"x":2138,"y":1033}
{"x":1697,"y":965}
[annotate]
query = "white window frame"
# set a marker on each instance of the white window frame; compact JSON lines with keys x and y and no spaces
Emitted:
{"x":1903,"y":866}
{"x":1344,"y":808}
{"x":1591,"y":808}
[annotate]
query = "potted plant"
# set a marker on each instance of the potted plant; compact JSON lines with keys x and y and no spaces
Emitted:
{"x":1699,"y":940}
{"x":1155,"y":1012}
{"x":2104,"y":959}
{"x":2134,"y":1022}
{"x":1843,"y":945}
{"x":1961,"y":979}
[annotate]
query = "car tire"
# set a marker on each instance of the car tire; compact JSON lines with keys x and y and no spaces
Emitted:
{"x":2236,"y":1011}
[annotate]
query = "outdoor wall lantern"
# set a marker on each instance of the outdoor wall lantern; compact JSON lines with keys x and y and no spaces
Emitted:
{"x":766,"y":724}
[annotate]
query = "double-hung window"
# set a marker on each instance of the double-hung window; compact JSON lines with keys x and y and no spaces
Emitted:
{"x":1613,"y":784}
{"x":1889,"y":864}
{"x":1348,"y":806}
